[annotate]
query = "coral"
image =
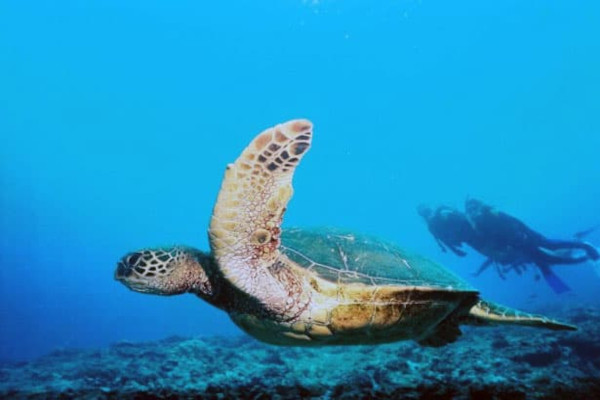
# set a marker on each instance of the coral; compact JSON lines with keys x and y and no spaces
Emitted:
{"x":485,"y":363}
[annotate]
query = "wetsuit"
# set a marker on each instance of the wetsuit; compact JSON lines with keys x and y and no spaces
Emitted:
{"x":449,"y":227}
{"x":508,"y":241}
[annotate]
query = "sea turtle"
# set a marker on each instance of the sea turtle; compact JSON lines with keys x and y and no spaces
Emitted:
{"x":309,"y":287}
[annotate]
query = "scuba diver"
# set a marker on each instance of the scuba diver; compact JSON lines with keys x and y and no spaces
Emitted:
{"x":508,"y":243}
{"x":449,"y":227}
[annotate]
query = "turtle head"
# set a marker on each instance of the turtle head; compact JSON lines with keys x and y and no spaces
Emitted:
{"x":166,"y":271}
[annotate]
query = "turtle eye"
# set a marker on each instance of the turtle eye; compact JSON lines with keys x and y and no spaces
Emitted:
{"x":133,"y":259}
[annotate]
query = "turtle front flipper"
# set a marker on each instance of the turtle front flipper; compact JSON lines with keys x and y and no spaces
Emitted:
{"x":245,"y":225}
{"x":489,"y":313}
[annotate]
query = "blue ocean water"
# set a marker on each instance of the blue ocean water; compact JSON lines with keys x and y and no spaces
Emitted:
{"x":117,"y":119}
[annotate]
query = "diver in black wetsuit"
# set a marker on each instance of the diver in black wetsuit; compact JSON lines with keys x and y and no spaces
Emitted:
{"x":449,"y":227}
{"x":507,"y":235}
{"x":508,"y":243}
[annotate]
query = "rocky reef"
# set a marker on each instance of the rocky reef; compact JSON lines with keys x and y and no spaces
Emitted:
{"x":485,"y":363}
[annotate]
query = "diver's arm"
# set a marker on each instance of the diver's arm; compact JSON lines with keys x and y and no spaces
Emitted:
{"x":454,"y":249}
{"x":457,"y":251}
{"x":441,"y":244}
{"x":483,"y":267}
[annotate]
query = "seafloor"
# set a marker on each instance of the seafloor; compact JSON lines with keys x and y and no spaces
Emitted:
{"x":486,"y":363}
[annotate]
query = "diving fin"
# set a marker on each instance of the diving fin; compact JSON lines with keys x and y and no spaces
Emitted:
{"x":580,"y":235}
{"x":557,"y":284}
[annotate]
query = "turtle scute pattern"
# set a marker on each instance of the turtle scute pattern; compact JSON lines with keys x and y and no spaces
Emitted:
{"x":343,"y":257}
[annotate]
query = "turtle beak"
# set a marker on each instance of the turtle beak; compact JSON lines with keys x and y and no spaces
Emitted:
{"x":123,"y":271}
{"x":124,"y":274}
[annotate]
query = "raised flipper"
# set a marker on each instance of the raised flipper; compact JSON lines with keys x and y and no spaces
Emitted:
{"x":488,"y":313}
{"x":245,"y":225}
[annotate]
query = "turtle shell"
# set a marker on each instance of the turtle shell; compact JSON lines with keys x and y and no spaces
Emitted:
{"x":345,"y":257}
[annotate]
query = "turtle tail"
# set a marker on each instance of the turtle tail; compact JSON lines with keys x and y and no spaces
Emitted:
{"x":489,"y":313}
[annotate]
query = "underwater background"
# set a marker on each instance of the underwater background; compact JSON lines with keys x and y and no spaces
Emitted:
{"x":117,"y":119}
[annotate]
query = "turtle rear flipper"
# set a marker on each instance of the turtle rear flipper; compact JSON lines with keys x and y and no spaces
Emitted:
{"x":489,"y":313}
{"x":445,"y":333}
